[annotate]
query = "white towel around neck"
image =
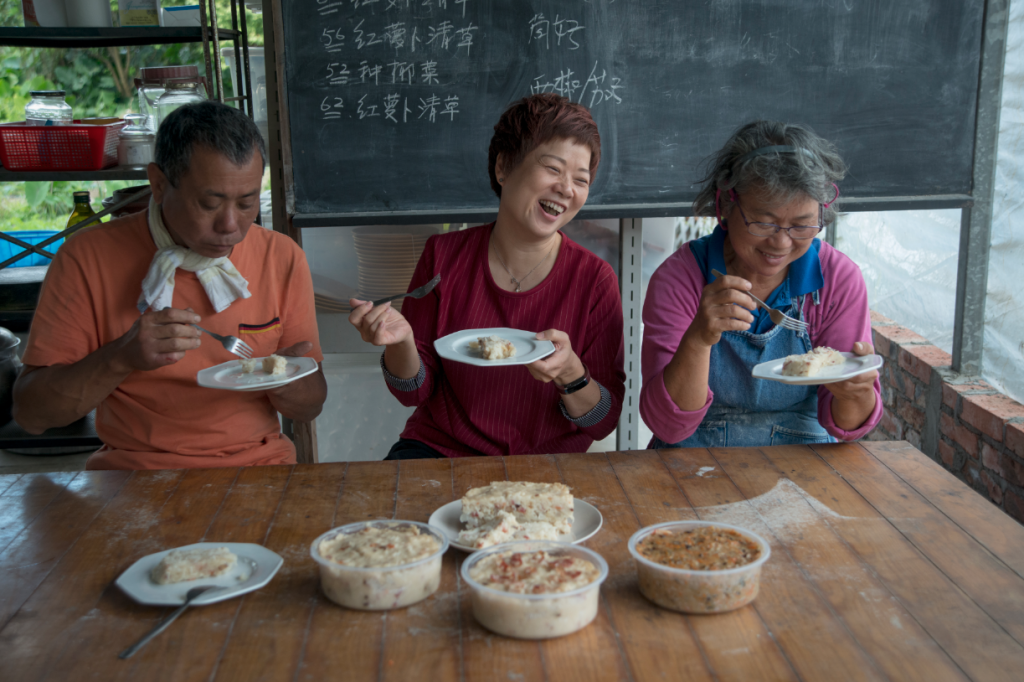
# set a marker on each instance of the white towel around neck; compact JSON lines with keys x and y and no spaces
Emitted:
{"x":222,"y":281}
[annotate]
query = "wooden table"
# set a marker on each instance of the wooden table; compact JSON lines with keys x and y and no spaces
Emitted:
{"x":883,"y":566}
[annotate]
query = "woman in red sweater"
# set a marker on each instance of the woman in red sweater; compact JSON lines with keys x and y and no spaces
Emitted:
{"x":520,"y":272}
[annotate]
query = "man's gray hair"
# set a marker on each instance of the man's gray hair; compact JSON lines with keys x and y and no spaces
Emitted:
{"x":781,"y":175}
{"x":210,"y":124}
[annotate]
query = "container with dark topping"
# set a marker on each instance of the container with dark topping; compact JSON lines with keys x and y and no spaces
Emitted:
{"x":698,"y":566}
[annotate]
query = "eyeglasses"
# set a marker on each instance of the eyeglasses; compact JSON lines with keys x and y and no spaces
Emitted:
{"x":797,"y":232}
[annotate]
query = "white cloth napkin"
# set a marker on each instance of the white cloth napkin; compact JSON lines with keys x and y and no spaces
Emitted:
{"x":222,"y":281}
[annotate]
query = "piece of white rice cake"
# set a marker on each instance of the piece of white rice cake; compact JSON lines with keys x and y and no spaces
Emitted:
{"x":811,"y":363}
{"x":505,"y":528}
{"x":181,"y":565}
{"x":248,"y":366}
{"x":493,"y":347}
{"x":274,"y":364}
{"x":495,"y":531}
{"x":529,"y":502}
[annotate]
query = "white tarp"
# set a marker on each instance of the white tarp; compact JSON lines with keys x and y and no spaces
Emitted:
{"x":909,"y":258}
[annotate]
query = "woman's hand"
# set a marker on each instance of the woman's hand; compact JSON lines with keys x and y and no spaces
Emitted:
{"x":563,"y":366}
{"x":724,"y":306}
{"x":860,"y":387}
{"x":854,"y":399}
{"x":381,"y":326}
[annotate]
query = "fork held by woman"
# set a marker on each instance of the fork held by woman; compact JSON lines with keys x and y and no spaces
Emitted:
{"x":777,"y":316}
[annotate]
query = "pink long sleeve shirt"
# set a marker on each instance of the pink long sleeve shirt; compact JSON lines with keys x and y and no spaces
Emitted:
{"x":841,"y":319}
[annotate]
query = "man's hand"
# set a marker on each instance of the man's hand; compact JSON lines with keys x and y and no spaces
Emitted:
{"x":303,"y":398}
{"x":295,"y":351}
{"x":157,"y":339}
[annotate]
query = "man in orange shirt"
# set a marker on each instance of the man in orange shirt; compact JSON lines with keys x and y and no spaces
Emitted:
{"x":112,"y":329}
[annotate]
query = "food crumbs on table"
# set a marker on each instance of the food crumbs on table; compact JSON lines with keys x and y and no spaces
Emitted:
{"x":703,"y":549}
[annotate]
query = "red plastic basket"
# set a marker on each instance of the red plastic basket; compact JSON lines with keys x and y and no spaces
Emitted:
{"x":73,"y":147}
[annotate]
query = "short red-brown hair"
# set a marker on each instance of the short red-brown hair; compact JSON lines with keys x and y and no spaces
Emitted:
{"x":537,"y":119}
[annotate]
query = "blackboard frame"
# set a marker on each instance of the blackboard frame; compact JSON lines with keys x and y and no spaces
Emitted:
{"x":307,"y":219}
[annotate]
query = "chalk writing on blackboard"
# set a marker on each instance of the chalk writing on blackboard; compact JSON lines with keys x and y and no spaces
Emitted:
{"x":541,"y":30}
{"x":599,"y":87}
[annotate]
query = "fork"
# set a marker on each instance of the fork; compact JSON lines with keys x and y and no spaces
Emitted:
{"x":232,"y":344}
{"x":778,"y":317}
{"x":418,"y":292}
{"x":162,"y":625}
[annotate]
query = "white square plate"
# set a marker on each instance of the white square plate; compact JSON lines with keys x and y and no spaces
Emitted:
{"x":586,"y":521}
{"x":229,"y":376}
{"x":854,"y":365}
{"x":528,"y":347}
{"x":256,"y":566}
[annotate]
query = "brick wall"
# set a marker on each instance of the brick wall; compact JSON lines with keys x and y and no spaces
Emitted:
{"x":963,"y":423}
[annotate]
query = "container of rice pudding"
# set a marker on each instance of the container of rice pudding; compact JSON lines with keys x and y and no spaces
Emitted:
{"x":698,"y":566}
{"x":378,"y":565}
{"x":534,"y":589}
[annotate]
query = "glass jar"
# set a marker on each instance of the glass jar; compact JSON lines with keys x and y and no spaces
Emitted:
{"x":152,"y":82}
{"x":82,"y":209}
{"x":48,"y":108}
{"x":136,"y":143}
{"x":177,"y":94}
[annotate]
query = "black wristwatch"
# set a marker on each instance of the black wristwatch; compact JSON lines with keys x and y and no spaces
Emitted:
{"x":576,"y":384}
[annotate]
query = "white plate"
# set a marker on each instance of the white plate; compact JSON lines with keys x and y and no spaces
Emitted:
{"x":229,"y":376}
{"x":528,"y":348}
{"x":854,"y":365}
{"x":587,"y":520}
{"x":256,"y":566}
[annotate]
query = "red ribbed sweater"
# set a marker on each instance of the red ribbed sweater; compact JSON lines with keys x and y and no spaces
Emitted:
{"x":465,"y":410}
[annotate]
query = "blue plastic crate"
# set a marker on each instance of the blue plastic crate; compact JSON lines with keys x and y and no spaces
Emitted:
{"x":7,"y":249}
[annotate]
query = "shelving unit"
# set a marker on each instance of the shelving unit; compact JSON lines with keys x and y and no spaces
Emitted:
{"x":115,"y":173}
{"x":46,"y":37}
{"x":209,"y":34}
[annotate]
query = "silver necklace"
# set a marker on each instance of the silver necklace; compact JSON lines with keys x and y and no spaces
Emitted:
{"x":519,"y":282}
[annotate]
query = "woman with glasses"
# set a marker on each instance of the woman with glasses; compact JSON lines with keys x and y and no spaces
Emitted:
{"x":772,"y":187}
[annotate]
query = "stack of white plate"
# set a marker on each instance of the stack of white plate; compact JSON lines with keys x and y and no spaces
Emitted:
{"x":330,"y":295}
{"x":387,"y":258}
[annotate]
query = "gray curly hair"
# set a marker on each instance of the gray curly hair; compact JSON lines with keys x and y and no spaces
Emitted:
{"x":781,"y":175}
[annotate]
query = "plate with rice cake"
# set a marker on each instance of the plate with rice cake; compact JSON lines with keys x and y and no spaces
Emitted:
{"x":510,"y":511}
{"x":258,"y":374}
{"x":163,"y":578}
{"x":493,"y":347}
{"x":815,"y":368}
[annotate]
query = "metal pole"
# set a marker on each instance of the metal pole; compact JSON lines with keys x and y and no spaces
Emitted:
{"x":976,"y":221}
{"x":216,"y":52}
{"x":630,"y":255}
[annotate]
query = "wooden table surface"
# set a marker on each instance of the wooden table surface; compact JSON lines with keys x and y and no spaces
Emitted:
{"x":883,"y":566}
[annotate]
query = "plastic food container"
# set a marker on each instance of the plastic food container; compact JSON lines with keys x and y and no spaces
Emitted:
{"x":692,"y":591}
{"x":535,"y":616}
{"x":378,"y":589}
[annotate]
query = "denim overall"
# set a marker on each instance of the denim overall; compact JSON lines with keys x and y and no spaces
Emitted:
{"x":749,"y":412}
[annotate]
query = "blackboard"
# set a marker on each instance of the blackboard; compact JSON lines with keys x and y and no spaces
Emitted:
{"x":392,"y":103}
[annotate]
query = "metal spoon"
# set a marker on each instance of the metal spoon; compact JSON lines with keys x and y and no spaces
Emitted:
{"x":162,"y":625}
